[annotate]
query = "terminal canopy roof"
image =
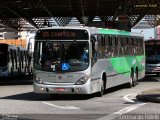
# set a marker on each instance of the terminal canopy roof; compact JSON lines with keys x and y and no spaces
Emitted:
{"x":38,"y":12}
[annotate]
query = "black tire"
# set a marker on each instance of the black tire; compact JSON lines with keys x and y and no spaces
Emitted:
{"x":135,"y":78}
{"x":157,"y":74}
{"x":25,"y":70}
{"x":11,"y":72}
{"x":30,"y":72}
{"x":101,"y":93}
{"x":131,"y":82}
{"x":19,"y":71}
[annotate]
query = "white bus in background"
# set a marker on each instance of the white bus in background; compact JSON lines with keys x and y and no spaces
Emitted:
{"x":13,"y":61}
{"x":152,"y":48}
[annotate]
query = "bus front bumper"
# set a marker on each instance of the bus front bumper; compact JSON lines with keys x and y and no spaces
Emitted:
{"x":62,"y":89}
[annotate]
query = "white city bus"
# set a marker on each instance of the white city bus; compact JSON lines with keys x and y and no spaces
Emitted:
{"x":86,"y":60}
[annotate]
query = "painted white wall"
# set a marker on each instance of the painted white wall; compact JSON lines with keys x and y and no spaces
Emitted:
{"x":29,"y":37}
{"x":158,"y":32}
{"x":10,"y":35}
{"x":148,"y":33}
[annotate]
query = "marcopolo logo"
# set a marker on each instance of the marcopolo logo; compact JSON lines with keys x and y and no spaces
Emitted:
{"x":59,"y":77}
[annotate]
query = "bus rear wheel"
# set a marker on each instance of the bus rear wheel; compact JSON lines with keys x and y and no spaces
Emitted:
{"x":132,"y":80}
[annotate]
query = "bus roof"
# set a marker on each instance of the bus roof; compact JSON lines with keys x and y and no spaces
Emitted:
{"x":95,"y":30}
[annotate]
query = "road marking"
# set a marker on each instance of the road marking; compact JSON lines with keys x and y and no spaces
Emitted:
{"x":132,"y":107}
{"x":128,"y":109}
{"x":127,"y":99}
{"x":62,"y":107}
{"x":124,"y":110}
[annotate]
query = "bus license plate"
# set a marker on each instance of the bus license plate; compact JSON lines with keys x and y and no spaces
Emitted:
{"x":59,"y":89}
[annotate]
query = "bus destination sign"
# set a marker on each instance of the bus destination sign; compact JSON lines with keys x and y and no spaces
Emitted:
{"x":62,"y":34}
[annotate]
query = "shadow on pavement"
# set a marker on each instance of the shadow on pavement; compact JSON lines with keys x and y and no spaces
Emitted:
{"x":53,"y":116}
{"x":16,"y":80}
{"x":150,"y":78}
{"x":31,"y":96}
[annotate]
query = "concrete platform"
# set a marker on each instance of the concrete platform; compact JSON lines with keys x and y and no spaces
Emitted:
{"x":151,"y":95}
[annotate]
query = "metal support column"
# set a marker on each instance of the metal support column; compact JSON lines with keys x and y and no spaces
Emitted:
{"x":123,"y":17}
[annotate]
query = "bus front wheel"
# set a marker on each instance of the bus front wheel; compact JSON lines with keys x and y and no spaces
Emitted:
{"x":101,"y":92}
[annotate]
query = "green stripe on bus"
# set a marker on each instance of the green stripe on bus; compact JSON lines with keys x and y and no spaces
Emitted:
{"x":123,"y":64}
{"x":114,"y":32}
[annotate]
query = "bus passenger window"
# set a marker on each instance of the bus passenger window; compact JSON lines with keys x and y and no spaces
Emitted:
{"x":106,"y":40}
{"x":110,"y":41}
{"x":94,"y":47}
{"x":116,"y":41}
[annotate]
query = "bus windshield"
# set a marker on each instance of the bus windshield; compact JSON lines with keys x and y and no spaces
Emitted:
{"x":3,"y":55}
{"x":61,"y":56}
{"x":152,"y":54}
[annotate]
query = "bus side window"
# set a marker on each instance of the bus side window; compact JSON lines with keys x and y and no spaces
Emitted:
{"x":106,"y":47}
{"x":26,"y":62}
{"x":141,"y":50}
{"x":116,"y":41}
{"x":110,"y":46}
{"x":127,"y":49}
{"x":121,"y":41}
{"x":94,"y":47}
{"x":22,"y":58}
{"x":121,"y":46}
{"x":99,"y":39}
{"x":116,"y":46}
{"x":113,"y":53}
{"x":12,"y":58}
{"x":103,"y":41}
{"x":100,"y":46}
{"x":8,"y":56}
{"x":110,"y":40}
{"x":15,"y":58}
{"x":106,"y":41}
{"x":124,"y":45}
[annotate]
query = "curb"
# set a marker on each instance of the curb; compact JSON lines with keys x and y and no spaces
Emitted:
{"x":149,"y":97}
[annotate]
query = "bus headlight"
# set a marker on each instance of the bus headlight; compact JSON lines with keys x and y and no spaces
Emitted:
{"x":39,"y":80}
{"x":83,"y":80}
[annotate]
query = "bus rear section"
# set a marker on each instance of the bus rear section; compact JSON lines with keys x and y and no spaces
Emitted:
{"x":152,"y":57}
